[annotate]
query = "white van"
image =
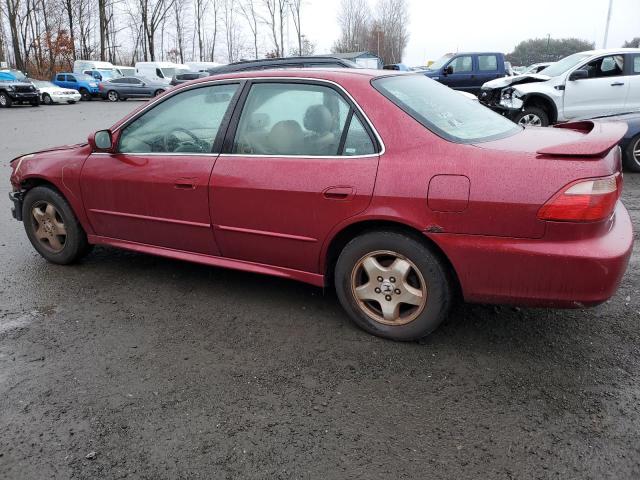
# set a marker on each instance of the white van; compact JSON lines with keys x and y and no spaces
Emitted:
{"x":96,"y":69}
{"x":126,"y":71}
{"x":202,"y":66}
{"x":159,"y":71}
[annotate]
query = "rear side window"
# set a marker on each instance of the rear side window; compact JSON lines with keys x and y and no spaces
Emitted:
{"x":487,"y":63}
{"x":462,"y":64}
{"x":71,"y":78}
{"x":293,"y":119}
{"x":357,"y":141}
{"x":60,"y":78}
{"x":636,"y":64}
{"x":444,"y":111}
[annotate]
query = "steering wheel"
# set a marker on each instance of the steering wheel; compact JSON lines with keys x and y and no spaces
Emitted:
{"x":172,"y":143}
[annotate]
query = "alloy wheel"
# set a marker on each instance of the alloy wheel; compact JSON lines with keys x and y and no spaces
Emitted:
{"x":113,"y":96}
{"x":388,"y":287}
{"x":636,"y":151}
{"x":3,"y":100}
{"x":49,"y":227}
{"x":530,"y":119}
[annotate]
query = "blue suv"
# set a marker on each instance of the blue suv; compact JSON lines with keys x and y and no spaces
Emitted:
{"x":86,"y":85}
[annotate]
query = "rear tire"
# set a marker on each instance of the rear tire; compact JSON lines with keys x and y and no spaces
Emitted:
{"x":113,"y":96}
{"x":84,"y":94}
{"x":413,"y":278}
{"x":5,"y":100}
{"x":631,"y":155}
{"x":52,"y":227}
{"x":532,"y":116}
{"x":158,"y":92}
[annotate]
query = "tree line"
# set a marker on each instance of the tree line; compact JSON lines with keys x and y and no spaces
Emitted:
{"x":42,"y":36}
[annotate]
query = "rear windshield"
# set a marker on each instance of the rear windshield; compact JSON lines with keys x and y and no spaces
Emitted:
{"x":444,"y":111}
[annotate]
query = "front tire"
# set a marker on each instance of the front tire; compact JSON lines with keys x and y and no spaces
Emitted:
{"x":392,"y":285}
{"x":532,"y":117}
{"x":5,"y":100}
{"x":631,"y":155}
{"x":46,"y":99}
{"x":52,"y":227}
{"x":113,"y":96}
{"x":84,"y":94}
{"x":158,"y":92}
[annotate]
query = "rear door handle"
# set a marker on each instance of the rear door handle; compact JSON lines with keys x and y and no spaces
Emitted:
{"x":185,"y":184}
{"x":338,"y":193}
{"x":617,"y":84}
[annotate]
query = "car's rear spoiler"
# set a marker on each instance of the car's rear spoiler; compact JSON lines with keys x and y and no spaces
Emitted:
{"x":598,"y":139}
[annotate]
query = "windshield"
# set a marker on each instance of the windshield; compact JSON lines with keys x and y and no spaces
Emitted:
{"x":169,"y":72}
{"x":565,"y":64}
{"x":108,"y":74}
{"x":43,"y":84}
{"x":444,"y":111}
{"x":438,"y":64}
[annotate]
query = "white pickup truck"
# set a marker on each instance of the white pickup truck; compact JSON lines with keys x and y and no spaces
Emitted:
{"x":582,"y":85}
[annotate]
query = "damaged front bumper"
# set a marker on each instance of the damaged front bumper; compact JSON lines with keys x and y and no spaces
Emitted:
{"x":503,"y":101}
{"x":17,"y":197}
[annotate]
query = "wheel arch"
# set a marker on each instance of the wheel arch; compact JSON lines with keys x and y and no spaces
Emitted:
{"x":541,"y":100}
{"x":353,"y":230}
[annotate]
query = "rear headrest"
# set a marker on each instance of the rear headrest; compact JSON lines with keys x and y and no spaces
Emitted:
{"x":258,"y":121}
{"x":318,"y":119}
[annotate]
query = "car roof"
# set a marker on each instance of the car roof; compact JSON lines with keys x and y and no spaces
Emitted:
{"x":331,"y":74}
{"x":603,"y":51}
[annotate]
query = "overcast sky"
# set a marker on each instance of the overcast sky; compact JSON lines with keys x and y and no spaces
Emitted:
{"x":440,"y":26}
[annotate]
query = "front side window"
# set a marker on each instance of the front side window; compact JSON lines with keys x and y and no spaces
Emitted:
{"x":488,"y":63}
{"x":444,"y":111}
{"x":636,"y":64}
{"x":60,"y":78}
{"x":71,"y":78}
{"x":291,"y":119}
{"x":184,"y":123}
{"x":462,"y":64}
{"x":611,"y":66}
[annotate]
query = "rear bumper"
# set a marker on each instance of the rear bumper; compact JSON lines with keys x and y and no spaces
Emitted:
{"x":549,"y":273}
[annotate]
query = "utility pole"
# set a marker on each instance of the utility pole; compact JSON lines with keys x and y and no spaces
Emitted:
{"x":606,"y":28}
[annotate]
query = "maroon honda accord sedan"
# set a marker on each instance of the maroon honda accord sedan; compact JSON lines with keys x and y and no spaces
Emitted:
{"x":393,"y":188}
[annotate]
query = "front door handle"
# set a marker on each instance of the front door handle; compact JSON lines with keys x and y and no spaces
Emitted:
{"x":338,"y":193}
{"x":617,"y":84}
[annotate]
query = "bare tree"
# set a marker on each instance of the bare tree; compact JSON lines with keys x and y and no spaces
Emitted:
{"x":178,"y":11}
{"x":275,"y":20}
{"x":249,"y":12}
{"x":354,"y":19}
{"x":392,"y":18}
{"x":296,"y":7}
{"x":13,"y":7}
{"x":152,"y":13}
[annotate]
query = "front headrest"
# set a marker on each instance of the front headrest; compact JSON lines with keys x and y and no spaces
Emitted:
{"x":286,"y":138}
{"x":318,"y":119}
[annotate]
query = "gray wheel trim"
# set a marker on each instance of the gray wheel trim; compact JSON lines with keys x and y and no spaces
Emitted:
{"x":531,"y":119}
{"x":3,"y":99}
{"x":114,"y":92}
{"x":44,"y":99}
{"x":635,"y":151}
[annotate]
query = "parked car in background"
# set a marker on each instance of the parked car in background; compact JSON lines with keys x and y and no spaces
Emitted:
{"x":122,"y":88}
{"x":181,"y":78}
{"x":585,"y":84}
{"x":535,"y":68}
{"x":384,"y":185}
{"x":159,"y":71}
{"x":287,"y":62}
{"x":125,"y":71}
{"x":96,"y":69}
{"x":630,"y":143}
{"x":15,"y":91}
{"x":202,"y":66}
{"x":467,"y":71}
{"x":102,"y":74}
{"x":87,"y":86}
{"x":397,"y":66}
{"x":51,"y":93}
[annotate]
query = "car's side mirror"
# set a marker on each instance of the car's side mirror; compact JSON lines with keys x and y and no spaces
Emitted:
{"x":448,"y":70}
{"x":579,"y":74}
{"x":101,"y":140}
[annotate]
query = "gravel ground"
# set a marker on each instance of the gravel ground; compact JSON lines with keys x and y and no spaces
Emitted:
{"x":159,"y":369}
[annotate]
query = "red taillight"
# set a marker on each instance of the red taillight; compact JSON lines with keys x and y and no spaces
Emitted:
{"x":584,"y":201}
